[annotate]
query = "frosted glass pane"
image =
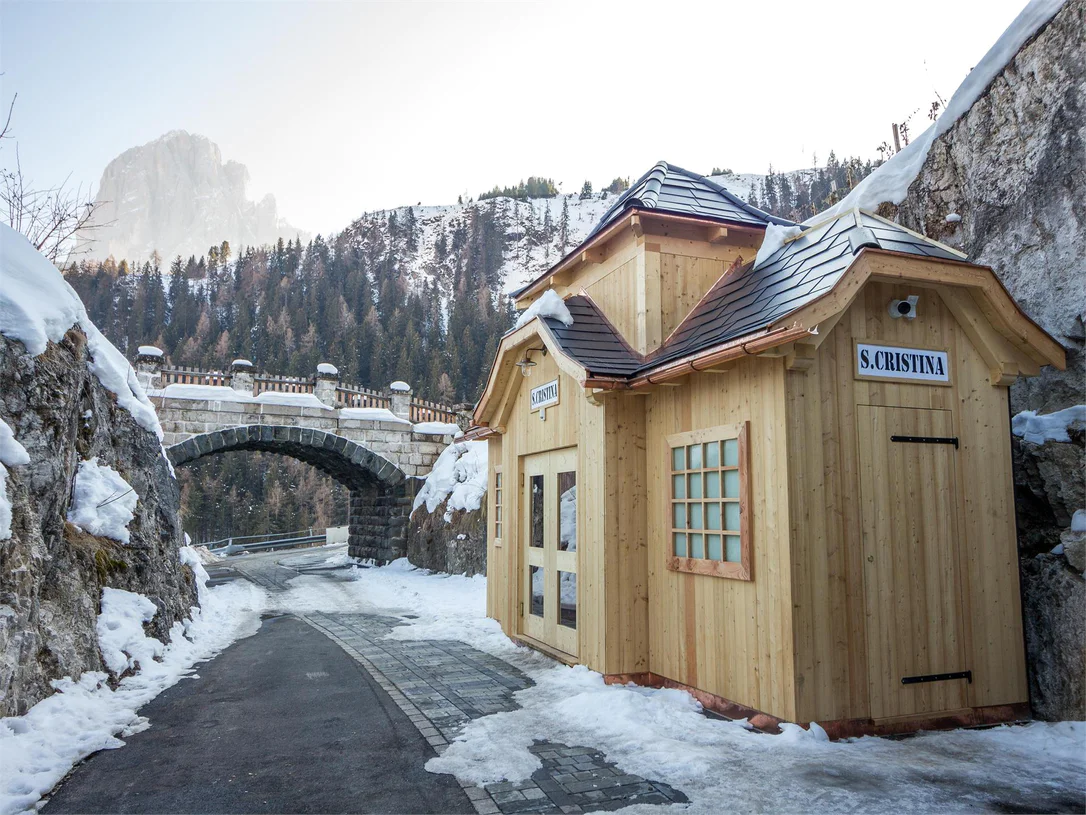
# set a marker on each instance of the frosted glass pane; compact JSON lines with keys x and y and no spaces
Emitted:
{"x":712,"y":544}
{"x":678,"y":516}
{"x":697,"y":546}
{"x":694,"y":456}
{"x":695,"y":485}
{"x":712,"y":485}
{"x":678,"y":486}
{"x":731,"y":517}
{"x":731,"y":483}
{"x":712,"y":516}
{"x":731,"y":548}
{"x":678,"y":458}
{"x":712,"y":454}
{"x":695,"y":516}
{"x":731,"y":453}
{"x":680,"y":544}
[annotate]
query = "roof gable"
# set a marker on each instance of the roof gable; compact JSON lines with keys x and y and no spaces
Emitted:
{"x":667,"y":188}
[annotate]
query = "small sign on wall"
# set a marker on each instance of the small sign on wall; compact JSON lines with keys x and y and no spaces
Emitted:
{"x":543,"y":396}
{"x":894,"y":363}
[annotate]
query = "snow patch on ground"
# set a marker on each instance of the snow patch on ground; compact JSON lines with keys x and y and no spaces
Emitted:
{"x":550,"y":305}
{"x":1037,"y":428}
{"x":459,"y":474}
{"x":39,"y":748}
{"x":662,"y":734}
{"x":103,"y":502}
{"x":890,"y":181}
{"x":12,"y":454}
{"x":38,"y":306}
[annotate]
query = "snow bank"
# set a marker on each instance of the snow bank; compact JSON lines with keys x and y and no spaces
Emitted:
{"x":890,"y":182}
{"x":120,"y":631}
{"x":1038,"y":429}
{"x":550,"y":305}
{"x":38,"y":306}
{"x":459,"y":474}
{"x":439,"y":428}
{"x":775,"y":237}
{"x":39,"y":748}
{"x":103,"y":503}
{"x":371,"y":414}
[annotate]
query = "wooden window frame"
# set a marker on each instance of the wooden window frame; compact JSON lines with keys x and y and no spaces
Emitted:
{"x":498,"y":492}
{"x":743,"y":569}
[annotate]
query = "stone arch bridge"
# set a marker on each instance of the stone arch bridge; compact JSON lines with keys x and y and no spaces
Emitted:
{"x":377,"y":445}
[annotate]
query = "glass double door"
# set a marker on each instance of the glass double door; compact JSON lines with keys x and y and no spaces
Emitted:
{"x":549,"y":549}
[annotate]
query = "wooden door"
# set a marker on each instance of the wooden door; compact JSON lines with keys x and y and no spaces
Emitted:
{"x":549,"y":549}
{"x":912,"y":576}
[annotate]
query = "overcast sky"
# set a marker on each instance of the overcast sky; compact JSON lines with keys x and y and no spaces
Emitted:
{"x":342,"y":107}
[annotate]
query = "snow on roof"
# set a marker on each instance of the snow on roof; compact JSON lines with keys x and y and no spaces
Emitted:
{"x":890,"y":181}
{"x":242,"y":363}
{"x":399,"y":386}
{"x":327,"y":368}
{"x":37,"y":305}
{"x":149,"y":351}
{"x":550,"y":305}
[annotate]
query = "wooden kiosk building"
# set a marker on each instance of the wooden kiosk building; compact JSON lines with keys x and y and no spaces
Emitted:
{"x":785,"y":484}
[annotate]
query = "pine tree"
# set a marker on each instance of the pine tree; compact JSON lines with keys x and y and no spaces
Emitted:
{"x":586,"y":191}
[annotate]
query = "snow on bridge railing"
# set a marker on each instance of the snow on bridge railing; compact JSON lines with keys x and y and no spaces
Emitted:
{"x":155,"y":375}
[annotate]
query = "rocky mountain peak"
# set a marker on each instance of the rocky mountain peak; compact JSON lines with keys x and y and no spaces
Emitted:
{"x":175,"y":195}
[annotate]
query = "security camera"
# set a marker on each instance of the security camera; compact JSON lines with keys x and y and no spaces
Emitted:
{"x":904,"y":308}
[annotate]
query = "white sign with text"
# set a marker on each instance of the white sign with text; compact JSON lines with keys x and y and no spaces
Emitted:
{"x":892,"y":362}
{"x":544,"y":395}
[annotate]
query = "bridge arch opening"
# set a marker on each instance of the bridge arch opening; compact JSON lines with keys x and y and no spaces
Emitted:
{"x":380,"y":492}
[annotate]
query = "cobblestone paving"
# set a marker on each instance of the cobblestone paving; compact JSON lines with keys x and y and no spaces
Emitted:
{"x":442,"y":685}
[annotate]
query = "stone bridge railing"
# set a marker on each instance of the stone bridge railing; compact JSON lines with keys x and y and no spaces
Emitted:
{"x":155,"y":374}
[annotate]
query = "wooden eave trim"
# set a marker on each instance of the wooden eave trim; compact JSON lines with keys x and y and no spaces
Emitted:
{"x":504,"y":367}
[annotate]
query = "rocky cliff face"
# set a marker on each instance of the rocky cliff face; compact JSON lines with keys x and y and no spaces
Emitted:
{"x":457,"y":546}
{"x":177,"y":196}
{"x":56,"y":406}
{"x":1014,"y":169}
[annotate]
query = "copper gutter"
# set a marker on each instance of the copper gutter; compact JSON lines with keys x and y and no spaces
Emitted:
{"x":736,"y":349}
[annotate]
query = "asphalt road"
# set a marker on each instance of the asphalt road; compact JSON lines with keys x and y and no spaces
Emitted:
{"x":283,"y":721}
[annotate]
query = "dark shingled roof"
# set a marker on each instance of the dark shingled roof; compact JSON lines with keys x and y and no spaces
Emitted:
{"x":799,"y":271}
{"x":747,"y":299}
{"x":667,"y":188}
{"x":592,"y":341}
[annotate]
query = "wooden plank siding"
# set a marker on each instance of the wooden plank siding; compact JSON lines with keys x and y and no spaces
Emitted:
{"x":731,"y":638}
{"x":827,"y":565}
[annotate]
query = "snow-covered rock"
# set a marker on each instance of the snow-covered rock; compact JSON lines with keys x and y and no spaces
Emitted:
{"x":459,"y":476}
{"x":103,"y":503}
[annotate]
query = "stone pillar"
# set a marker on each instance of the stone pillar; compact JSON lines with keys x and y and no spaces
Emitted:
{"x":149,"y":367}
{"x":327,"y":382}
{"x":400,"y":395}
{"x":241,"y":376}
{"x":377,"y":520}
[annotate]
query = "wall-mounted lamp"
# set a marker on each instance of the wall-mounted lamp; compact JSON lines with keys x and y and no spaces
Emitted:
{"x":528,"y":363}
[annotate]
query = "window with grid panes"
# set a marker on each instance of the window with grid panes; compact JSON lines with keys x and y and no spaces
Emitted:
{"x":709,"y":517}
{"x":498,"y":522}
